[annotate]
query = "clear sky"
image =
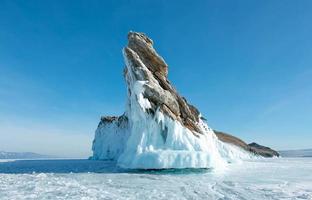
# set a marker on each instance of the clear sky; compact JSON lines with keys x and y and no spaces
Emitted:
{"x":247,"y":66}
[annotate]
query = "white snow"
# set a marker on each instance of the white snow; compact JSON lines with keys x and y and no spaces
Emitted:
{"x":282,"y":178}
{"x":161,"y":142}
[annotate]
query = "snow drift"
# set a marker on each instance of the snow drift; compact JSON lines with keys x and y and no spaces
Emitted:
{"x":159,"y":128}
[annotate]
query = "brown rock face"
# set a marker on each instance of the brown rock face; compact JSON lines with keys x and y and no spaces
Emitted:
{"x":148,"y":66}
{"x":262,"y":150}
{"x":253,"y":147}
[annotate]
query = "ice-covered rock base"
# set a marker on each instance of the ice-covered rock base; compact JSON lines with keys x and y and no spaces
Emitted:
{"x":159,"y":129}
{"x":159,"y":142}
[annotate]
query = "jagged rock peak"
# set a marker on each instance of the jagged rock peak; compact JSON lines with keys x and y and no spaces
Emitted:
{"x":159,"y":128}
{"x":146,"y":65}
{"x":143,"y":46}
{"x":133,"y":35}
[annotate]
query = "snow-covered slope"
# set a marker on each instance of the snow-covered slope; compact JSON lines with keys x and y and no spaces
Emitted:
{"x":159,"y":128}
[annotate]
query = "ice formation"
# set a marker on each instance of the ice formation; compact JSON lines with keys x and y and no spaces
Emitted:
{"x":159,"y":128}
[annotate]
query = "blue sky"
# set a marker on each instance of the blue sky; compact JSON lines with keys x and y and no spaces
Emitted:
{"x":247,"y":65}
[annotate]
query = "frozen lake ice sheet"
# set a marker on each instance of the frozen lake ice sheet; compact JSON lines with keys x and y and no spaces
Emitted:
{"x":282,"y":178}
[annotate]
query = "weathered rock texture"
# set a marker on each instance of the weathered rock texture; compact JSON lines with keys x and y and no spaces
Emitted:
{"x":147,"y":66}
{"x":160,"y":93}
{"x":253,"y":147}
{"x":262,"y":150}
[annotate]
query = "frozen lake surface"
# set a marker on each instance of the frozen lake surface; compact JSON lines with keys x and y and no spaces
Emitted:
{"x":282,"y":178}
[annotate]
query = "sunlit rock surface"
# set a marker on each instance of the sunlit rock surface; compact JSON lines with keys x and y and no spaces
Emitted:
{"x":159,"y":128}
{"x":252,"y":147}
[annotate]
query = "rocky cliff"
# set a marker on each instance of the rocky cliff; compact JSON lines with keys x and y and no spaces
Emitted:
{"x":252,"y":147}
{"x":159,"y":91}
{"x":159,"y":128}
